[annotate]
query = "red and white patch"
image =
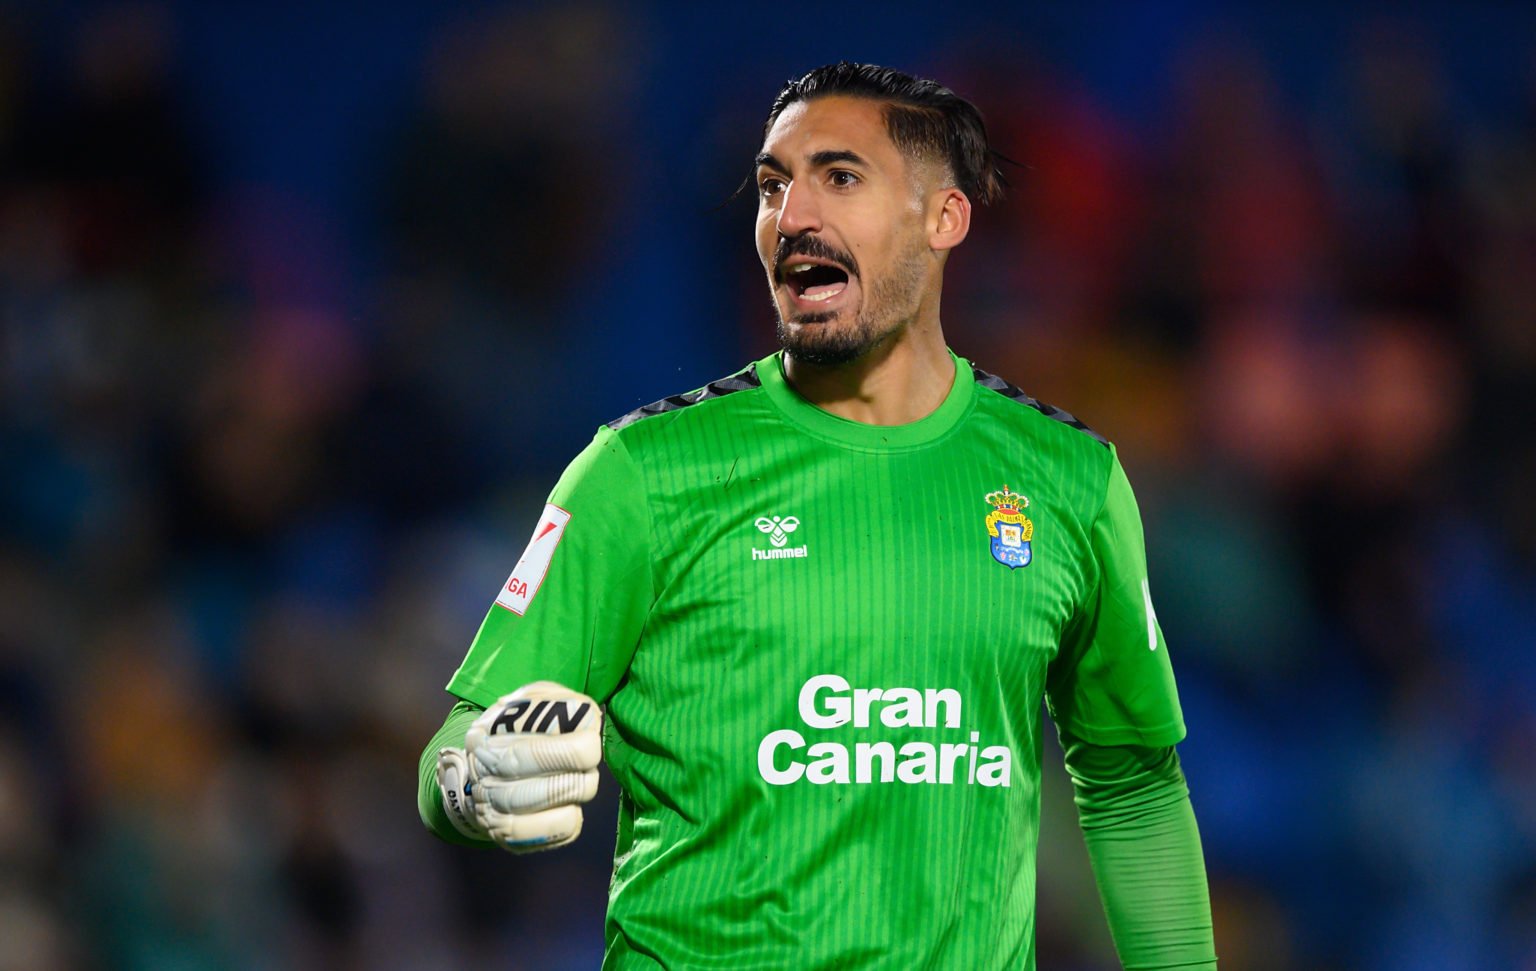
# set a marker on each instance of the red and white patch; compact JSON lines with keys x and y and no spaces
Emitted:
{"x":528,"y":575}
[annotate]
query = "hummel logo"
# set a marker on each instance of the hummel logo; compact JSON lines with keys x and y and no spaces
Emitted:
{"x":777,"y":529}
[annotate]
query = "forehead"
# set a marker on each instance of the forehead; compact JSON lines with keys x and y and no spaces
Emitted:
{"x":832,"y":123}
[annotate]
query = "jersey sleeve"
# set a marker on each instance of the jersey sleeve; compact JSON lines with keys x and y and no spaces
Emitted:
{"x":1111,"y":682}
{"x":577,"y":600}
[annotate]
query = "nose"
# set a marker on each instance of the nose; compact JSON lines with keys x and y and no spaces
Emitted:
{"x":800,"y":213}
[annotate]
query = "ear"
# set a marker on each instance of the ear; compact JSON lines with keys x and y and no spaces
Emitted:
{"x":949,"y":218}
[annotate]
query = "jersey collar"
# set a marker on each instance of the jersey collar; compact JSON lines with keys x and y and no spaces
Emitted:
{"x":855,"y":434}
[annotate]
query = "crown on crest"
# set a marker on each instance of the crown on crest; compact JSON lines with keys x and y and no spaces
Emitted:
{"x":1007,"y":501}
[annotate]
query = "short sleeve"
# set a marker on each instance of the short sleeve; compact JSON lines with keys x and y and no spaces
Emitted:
{"x":577,"y":600}
{"x":1111,"y":682}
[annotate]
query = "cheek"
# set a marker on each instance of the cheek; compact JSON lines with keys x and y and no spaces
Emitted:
{"x":875,"y":234}
{"x":767,"y":238}
{"x":903,"y":240}
{"x":873,"y":251}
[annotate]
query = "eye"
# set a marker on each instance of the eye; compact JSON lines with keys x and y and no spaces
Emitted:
{"x":770,"y":185}
{"x":842,"y":178}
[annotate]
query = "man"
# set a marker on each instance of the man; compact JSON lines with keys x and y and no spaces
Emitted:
{"x":820,"y":602}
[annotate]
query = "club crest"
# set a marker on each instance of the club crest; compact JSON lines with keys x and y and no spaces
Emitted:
{"x":1010,"y":529}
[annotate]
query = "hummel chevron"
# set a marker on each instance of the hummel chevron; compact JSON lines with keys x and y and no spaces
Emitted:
{"x":777,"y":529}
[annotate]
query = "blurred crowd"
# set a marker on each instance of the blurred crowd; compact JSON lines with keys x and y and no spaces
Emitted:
{"x":259,"y":478}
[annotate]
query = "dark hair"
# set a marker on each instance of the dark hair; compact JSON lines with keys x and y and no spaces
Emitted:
{"x":925,"y":120}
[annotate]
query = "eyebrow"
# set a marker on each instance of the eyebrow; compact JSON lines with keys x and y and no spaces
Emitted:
{"x":817,"y":160}
{"x":831,"y":157}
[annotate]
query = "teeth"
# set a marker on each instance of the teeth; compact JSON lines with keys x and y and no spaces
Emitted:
{"x":822,"y":296}
{"x":801,"y":267}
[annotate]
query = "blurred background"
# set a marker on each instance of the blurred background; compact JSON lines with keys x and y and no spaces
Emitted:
{"x":303,"y":307}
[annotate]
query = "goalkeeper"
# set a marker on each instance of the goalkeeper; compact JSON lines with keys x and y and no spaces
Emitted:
{"x":808,"y":614}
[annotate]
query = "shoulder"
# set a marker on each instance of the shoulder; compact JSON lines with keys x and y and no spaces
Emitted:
{"x":1077,"y":461}
{"x":675,"y":406}
{"x":1032,"y":411}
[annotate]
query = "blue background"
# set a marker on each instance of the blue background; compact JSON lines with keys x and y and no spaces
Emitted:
{"x":304,"y":306}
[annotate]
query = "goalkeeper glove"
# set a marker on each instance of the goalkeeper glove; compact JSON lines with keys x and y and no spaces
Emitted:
{"x":527,"y":764}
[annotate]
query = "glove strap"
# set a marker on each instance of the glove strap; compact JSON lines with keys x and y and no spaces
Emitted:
{"x":453,"y":780}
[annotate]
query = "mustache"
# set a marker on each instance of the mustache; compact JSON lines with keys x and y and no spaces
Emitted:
{"x":816,"y":248}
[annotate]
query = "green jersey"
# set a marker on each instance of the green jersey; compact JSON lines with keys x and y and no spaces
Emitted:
{"x":822,"y":647}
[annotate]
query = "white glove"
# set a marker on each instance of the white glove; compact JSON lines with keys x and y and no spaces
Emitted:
{"x":527,"y":763}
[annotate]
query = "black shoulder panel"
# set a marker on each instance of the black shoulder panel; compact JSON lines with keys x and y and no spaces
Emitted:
{"x":987,"y":380}
{"x":742,"y":380}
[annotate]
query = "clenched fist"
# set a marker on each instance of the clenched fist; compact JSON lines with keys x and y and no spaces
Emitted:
{"x":528,"y":763}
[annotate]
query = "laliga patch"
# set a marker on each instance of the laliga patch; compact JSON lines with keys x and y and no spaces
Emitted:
{"x":529,"y":572}
{"x":1010,"y":529}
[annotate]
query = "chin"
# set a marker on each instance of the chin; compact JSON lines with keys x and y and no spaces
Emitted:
{"x":826,"y":346}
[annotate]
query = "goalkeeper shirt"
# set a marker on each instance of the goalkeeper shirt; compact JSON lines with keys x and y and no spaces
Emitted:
{"x":822,"y":646}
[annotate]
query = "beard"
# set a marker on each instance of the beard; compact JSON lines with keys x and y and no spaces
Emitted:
{"x":889,"y":305}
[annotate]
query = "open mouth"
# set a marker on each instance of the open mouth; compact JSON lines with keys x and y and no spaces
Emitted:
{"x":815,"y":282}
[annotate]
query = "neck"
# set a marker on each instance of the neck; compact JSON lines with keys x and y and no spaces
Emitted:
{"x":899,"y":382}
